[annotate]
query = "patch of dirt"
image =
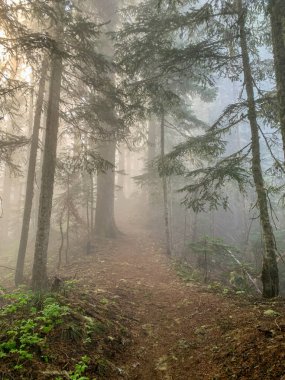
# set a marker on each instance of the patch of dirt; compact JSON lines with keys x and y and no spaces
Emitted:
{"x":151,"y":325}
{"x":181,"y":330}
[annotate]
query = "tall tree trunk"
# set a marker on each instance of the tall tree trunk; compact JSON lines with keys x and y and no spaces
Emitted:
{"x":31,"y":177}
{"x":151,"y":140}
{"x":92,"y":202}
{"x":5,"y":206}
{"x":194,"y":234}
{"x":152,"y":210}
{"x":121,"y":174}
{"x":39,"y":277}
{"x":277,"y":17}
{"x":61,"y":239}
{"x":151,"y":151}
{"x":67,"y":220}
{"x":105,"y":225}
{"x":164,"y":185}
{"x":270,"y":278}
{"x":38,"y":177}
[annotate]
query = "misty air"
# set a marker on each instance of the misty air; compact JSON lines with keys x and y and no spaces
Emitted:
{"x":142,"y":182}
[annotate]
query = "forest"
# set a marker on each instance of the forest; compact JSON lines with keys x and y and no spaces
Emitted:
{"x":142,"y":189}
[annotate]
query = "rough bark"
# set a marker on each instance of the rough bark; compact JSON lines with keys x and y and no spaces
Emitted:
{"x":164,"y":186}
{"x":270,"y":278}
{"x":277,"y":17}
{"x":31,"y":177}
{"x":39,"y":276}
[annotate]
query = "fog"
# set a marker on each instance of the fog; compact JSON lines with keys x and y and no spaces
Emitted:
{"x":142,"y":149}
{"x":107,"y":178}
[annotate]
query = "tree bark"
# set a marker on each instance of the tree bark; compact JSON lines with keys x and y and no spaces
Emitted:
{"x":270,"y":277}
{"x":164,"y":185}
{"x":31,"y":177}
{"x":277,"y":18}
{"x":39,"y":276}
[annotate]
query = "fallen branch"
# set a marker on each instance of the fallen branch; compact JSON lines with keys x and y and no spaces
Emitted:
{"x":3,"y":266}
{"x":251,"y":279}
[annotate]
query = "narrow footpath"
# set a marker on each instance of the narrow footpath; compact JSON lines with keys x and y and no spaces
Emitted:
{"x":179,"y":330}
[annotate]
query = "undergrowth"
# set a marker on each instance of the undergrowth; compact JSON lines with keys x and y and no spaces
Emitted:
{"x":57,"y":335}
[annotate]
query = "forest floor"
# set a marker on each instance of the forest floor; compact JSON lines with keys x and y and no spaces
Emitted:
{"x":160,"y":326}
{"x":182,"y":330}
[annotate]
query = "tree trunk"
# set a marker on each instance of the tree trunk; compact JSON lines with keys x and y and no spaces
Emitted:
{"x":92,"y":202}
{"x":61,"y":239}
{"x":5,"y":206}
{"x":121,"y":174}
{"x":164,"y":187}
{"x":151,"y":141}
{"x":39,"y":277}
{"x":270,"y":278}
{"x":68,"y":220}
{"x":277,"y":17}
{"x":105,"y":225}
{"x":31,"y":177}
{"x":38,"y":178}
{"x":151,"y":152}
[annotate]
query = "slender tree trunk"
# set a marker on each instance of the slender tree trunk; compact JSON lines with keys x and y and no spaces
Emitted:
{"x":121,"y":174}
{"x":39,"y":277}
{"x":89,"y":232}
{"x":171,"y":229}
{"x":92,"y":202}
{"x":38,"y":177}
{"x":61,"y":240}
{"x":31,"y":177}
{"x":105,"y":225}
{"x":164,"y":186}
{"x":270,"y":278}
{"x":277,"y":17}
{"x":68,"y":220}
{"x":194,"y":227}
{"x":151,"y":140}
{"x":5,"y":206}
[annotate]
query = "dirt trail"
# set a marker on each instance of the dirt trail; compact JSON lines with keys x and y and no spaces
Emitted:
{"x":177,"y":328}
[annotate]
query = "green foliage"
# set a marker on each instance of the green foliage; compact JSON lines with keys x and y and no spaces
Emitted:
{"x":18,"y":300}
{"x":23,"y":335}
{"x":187,"y":273}
{"x":211,"y":246}
{"x":80,"y":369}
{"x":221,"y":261}
{"x":209,"y":175}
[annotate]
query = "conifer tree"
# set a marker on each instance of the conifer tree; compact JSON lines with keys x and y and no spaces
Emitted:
{"x":31,"y":174}
{"x":210,"y":44}
{"x":277,"y":17}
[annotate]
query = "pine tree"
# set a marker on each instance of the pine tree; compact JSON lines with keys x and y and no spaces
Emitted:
{"x":277,"y":17}
{"x":210,"y":44}
{"x":31,"y":174}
